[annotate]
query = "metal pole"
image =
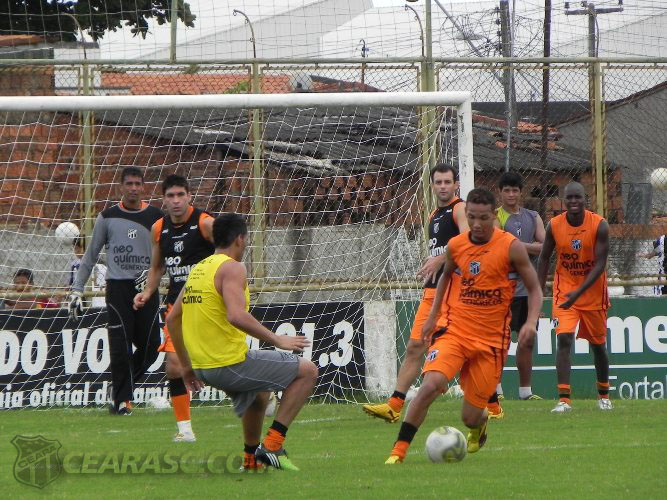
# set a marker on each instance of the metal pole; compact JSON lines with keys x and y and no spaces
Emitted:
{"x":258,"y":206}
{"x":87,"y":153}
{"x":173,"y":26}
{"x":598,"y":144}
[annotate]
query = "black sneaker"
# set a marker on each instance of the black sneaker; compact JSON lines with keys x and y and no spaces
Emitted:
{"x":123,"y":408}
{"x":277,"y":459}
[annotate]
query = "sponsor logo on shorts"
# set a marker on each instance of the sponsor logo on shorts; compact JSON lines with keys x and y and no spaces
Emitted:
{"x":432,"y":355}
{"x":576,"y":244}
{"x":475,"y":268}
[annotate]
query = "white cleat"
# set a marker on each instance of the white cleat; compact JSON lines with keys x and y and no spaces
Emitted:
{"x":561,"y":407}
{"x":605,"y":404}
{"x":184,"y":437}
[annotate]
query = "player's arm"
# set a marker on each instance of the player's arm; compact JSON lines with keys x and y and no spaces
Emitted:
{"x":545,"y":257}
{"x":460,"y":218}
{"x":155,"y":272}
{"x":535,"y":247}
{"x":206,"y":227}
{"x":98,"y":240}
{"x":653,"y":253}
{"x":601,"y":255}
{"x":230,"y":282}
{"x":175,"y":327}
{"x":522,"y":265}
{"x":443,"y":283}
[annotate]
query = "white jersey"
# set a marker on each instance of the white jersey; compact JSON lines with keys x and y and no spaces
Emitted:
{"x":99,"y":280}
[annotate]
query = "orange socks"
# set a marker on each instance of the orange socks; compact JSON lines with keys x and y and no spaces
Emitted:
{"x":603,"y":390}
{"x":181,"y":406}
{"x":275,"y":437}
{"x":564,"y":393}
{"x":396,"y":404}
{"x":400,"y":449}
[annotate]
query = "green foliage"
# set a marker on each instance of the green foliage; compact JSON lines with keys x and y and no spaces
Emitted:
{"x":46,"y":17}
{"x":530,"y":454}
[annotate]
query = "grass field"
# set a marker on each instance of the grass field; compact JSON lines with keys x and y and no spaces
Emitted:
{"x":530,"y":454}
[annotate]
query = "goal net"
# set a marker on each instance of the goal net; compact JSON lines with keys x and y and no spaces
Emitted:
{"x":334,"y":186}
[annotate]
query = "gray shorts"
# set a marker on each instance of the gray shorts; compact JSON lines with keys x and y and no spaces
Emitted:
{"x":261,"y":371}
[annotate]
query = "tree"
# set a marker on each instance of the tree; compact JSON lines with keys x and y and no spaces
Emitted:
{"x":45,"y":17}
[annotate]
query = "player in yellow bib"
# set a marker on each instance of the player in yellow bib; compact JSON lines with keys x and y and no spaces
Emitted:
{"x":208,"y":326}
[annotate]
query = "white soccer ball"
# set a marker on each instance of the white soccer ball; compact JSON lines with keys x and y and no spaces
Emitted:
{"x":446,"y":444}
{"x":659,"y":178}
{"x":67,"y":232}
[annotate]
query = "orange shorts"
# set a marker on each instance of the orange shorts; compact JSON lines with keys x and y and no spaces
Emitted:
{"x":166,"y":346}
{"x":423,"y":311}
{"x":592,"y":324}
{"x":480,"y":365}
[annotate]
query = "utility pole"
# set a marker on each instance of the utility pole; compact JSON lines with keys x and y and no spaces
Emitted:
{"x":596,"y":98}
{"x":364,"y":54}
{"x":545,"y":87}
{"x":508,"y":77}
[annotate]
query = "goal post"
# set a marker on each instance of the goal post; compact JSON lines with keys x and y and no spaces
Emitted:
{"x":333,"y":184}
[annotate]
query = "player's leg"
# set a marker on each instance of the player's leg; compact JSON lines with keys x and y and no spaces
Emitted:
{"x":410,"y":367}
{"x":252,"y":421}
{"x":594,"y":329}
{"x":180,"y":396}
{"x":432,"y":386}
{"x":443,"y":361}
{"x":524,"y":350}
{"x":145,"y":335}
{"x":120,"y":325}
{"x":565,"y":322}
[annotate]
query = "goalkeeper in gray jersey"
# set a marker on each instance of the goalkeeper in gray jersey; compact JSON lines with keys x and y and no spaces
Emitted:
{"x":125,"y":231}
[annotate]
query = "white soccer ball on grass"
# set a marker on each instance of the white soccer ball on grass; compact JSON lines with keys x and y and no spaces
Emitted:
{"x":446,"y":444}
{"x":67,"y":232}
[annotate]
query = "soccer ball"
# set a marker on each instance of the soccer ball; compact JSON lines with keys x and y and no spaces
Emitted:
{"x":446,"y":444}
{"x":67,"y":232}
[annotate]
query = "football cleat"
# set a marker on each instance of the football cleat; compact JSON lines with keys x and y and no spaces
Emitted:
{"x":382,"y":411}
{"x":497,"y":415}
{"x":123,"y":408}
{"x":477,"y":438}
{"x":393,"y":460}
{"x":250,"y":464}
{"x":532,"y":397}
{"x":277,"y":459}
{"x":605,"y":404}
{"x":561,"y":407}
{"x":184,"y":437}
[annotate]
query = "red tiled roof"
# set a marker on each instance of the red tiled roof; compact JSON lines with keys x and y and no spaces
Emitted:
{"x":18,"y":40}
{"x":194,"y":84}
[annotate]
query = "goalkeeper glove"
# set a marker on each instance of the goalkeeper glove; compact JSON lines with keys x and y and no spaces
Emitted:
{"x":141,"y":280}
{"x":75,"y":305}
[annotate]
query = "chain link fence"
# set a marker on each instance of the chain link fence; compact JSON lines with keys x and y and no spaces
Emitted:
{"x":42,"y":160}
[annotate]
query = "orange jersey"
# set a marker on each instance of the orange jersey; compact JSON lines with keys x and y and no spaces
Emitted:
{"x":480,"y":306}
{"x":575,"y":247}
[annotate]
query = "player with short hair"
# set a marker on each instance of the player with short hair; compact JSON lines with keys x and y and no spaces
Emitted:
{"x":659,"y":252}
{"x":580,"y":299}
{"x":527,"y":226}
{"x":445,"y":222}
{"x":208,"y":326}
{"x":124,"y":230}
{"x":180,"y":239}
{"x":475,"y":336}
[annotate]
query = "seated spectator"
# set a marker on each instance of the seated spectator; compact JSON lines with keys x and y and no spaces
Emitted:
{"x":24,"y":282}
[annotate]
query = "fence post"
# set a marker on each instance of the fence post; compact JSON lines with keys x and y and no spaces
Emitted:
{"x":258,"y":217}
{"x":87,"y":160}
{"x":172,"y":31}
{"x":598,"y":153}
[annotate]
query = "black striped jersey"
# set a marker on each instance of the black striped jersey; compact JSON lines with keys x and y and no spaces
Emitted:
{"x":441,"y":229}
{"x":182,"y":247}
{"x":126,"y":235}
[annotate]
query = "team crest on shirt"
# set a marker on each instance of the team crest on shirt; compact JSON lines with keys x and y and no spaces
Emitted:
{"x":518,"y":232}
{"x":576,"y":244}
{"x":178,"y":246}
{"x":475,"y":268}
{"x":131,"y":233}
{"x":432,"y":355}
{"x":436,"y":226}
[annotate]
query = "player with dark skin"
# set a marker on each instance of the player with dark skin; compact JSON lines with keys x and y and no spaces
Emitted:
{"x":575,"y":201}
